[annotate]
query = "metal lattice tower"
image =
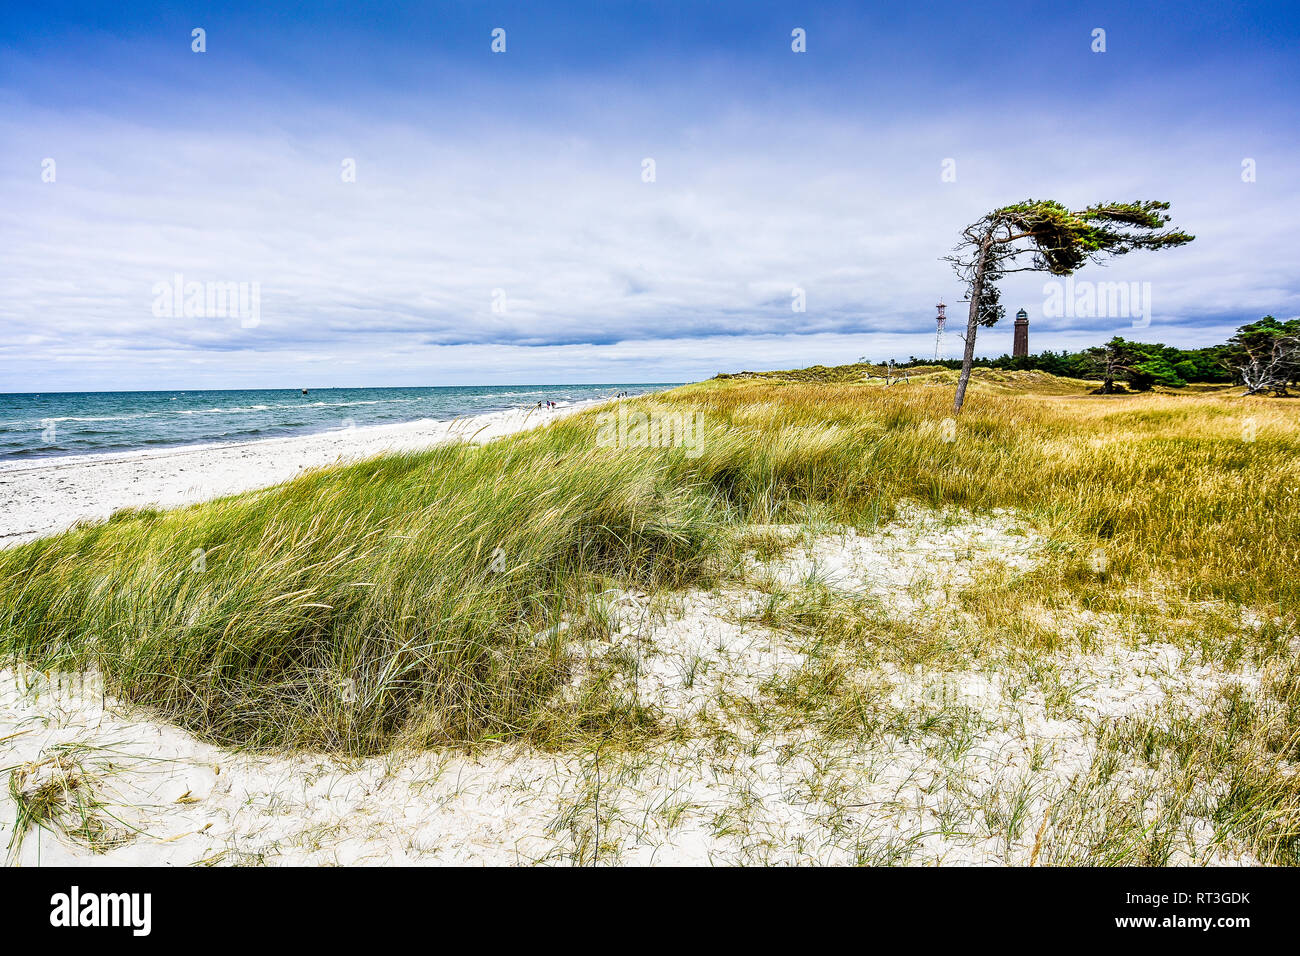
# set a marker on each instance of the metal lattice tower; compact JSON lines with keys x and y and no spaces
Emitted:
{"x":939,"y":320}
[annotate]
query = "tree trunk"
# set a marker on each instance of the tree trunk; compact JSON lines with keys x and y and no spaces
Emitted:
{"x":972,"y":323}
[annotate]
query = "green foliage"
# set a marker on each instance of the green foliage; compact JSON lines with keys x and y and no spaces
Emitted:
{"x":1265,"y":355}
{"x":991,"y":308}
{"x":1154,"y":371}
{"x":1064,"y":240}
{"x":1144,"y":364}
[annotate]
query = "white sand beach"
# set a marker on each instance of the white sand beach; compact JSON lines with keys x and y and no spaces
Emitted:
{"x":48,"y":495}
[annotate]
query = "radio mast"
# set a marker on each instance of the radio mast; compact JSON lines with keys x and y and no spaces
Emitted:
{"x":939,"y":321}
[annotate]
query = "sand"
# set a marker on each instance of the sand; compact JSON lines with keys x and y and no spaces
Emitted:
{"x":958,"y":750}
{"x":48,"y":495}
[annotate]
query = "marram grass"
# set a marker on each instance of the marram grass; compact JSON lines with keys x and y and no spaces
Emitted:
{"x":426,"y":599}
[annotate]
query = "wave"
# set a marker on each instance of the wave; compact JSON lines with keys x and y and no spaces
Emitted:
{"x":110,"y":423}
{"x":376,"y":401}
{"x":39,"y":423}
{"x":224,"y":411}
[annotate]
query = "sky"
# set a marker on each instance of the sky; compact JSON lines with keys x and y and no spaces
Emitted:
{"x":629,"y":192}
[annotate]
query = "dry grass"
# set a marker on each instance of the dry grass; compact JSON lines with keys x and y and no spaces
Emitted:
{"x":61,"y":792}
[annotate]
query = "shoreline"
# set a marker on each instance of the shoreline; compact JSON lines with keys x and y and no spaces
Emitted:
{"x":40,"y":497}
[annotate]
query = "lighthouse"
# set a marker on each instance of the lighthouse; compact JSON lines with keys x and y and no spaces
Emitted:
{"x":1020,"y":344}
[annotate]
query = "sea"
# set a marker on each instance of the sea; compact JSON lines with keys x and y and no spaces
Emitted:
{"x":71,"y":423}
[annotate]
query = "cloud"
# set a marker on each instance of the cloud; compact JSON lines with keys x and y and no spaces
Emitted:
{"x":596,"y":274}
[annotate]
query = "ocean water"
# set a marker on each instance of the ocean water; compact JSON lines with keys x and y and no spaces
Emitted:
{"x":70,"y":423}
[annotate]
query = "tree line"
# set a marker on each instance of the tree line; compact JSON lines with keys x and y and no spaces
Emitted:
{"x":1264,"y":356}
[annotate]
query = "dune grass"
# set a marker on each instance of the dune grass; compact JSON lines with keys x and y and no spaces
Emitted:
{"x":427,"y":599}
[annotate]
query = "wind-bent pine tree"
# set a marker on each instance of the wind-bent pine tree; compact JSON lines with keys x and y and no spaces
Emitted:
{"x":1058,"y":241}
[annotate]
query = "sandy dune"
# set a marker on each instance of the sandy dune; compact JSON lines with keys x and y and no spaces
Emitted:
{"x":953,"y":751}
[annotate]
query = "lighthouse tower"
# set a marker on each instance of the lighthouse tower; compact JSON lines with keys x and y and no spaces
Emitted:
{"x":1020,"y":344}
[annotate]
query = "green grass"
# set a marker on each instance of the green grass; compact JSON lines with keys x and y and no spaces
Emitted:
{"x":356,"y":608}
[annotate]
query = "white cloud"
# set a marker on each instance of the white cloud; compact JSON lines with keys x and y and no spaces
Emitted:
{"x":390,"y":280}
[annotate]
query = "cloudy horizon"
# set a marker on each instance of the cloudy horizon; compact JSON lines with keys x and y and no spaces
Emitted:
{"x":415,"y":209}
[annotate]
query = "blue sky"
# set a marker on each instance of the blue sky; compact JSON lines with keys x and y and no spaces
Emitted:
{"x":499,"y":228}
